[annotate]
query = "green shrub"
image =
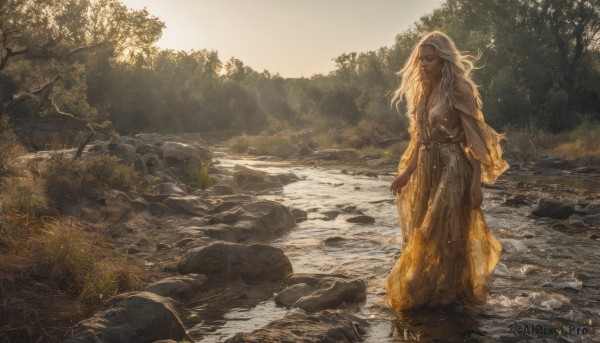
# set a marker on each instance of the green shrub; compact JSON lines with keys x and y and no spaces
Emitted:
{"x":239,"y":144}
{"x":195,"y":174}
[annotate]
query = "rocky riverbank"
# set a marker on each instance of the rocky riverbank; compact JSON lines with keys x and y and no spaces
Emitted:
{"x":209,"y":248}
{"x":204,"y":247}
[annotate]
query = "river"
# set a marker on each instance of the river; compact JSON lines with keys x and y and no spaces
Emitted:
{"x":545,"y":278}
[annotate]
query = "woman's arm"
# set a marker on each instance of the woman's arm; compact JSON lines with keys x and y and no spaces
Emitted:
{"x":413,"y":162}
{"x":402,"y":179}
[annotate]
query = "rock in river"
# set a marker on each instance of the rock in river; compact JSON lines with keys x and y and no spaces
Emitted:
{"x":188,"y":205}
{"x":227,"y":261}
{"x":363,"y":219}
{"x":178,"y":287}
{"x":131,"y":317}
{"x":258,"y":220}
{"x":326,"y":326}
{"x":179,"y":154}
{"x":553,"y":208}
{"x":316,"y":292}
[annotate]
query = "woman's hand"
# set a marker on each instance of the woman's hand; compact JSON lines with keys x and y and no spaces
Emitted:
{"x":475,"y":194}
{"x":399,"y":182}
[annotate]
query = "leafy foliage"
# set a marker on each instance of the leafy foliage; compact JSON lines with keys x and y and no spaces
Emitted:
{"x":539,"y":70}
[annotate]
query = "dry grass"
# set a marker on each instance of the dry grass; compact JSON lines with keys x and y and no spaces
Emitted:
{"x":395,"y":151}
{"x":264,"y":145}
{"x":9,"y":148}
{"x":22,"y":195}
{"x":68,"y":181}
{"x":326,"y":139}
{"x":361,"y":136}
{"x":53,"y":271}
{"x":580,"y":146}
{"x":52,"y":275}
{"x":365,"y":133}
{"x":520,"y":144}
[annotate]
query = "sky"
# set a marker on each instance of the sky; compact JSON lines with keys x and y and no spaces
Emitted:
{"x":294,"y":38}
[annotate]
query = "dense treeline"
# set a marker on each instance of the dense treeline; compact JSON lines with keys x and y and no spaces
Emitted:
{"x":96,"y":60}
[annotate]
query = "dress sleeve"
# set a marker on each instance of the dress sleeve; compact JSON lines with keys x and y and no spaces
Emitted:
{"x":483,"y":142}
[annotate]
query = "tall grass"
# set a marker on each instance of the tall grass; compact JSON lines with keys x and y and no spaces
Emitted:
{"x":69,"y":181}
{"x":22,"y":195}
{"x":581,"y":145}
{"x":53,"y":273}
{"x":264,"y":145}
{"x":195,"y":174}
{"x":79,"y":262}
{"x":9,"y":147}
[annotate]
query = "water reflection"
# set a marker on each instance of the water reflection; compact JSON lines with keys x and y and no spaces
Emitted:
{"x":447,"y":324}
{"x":543,"y":273}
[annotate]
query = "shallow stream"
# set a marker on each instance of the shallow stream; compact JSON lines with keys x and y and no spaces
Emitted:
{"x":544,"y":279}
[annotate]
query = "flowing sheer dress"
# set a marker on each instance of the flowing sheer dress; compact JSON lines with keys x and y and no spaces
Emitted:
{"x":447,"y":250}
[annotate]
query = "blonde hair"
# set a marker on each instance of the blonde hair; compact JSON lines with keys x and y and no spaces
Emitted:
{"x":456,"y":69}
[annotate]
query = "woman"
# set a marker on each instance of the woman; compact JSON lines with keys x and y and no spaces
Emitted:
{"x":447,"y":249}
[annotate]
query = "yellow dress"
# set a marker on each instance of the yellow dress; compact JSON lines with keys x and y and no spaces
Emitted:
{"x":447,"y":250}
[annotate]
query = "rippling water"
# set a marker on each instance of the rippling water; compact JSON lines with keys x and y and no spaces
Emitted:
{"x":544,"y":278}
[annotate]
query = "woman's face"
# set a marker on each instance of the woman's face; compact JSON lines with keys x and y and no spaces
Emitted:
{"x":431,"y":63}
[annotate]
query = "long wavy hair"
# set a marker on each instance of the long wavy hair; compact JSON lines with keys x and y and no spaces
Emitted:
{"x":456,"y":69}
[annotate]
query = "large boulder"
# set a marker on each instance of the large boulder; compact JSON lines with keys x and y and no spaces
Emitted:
{"x":153,"y":138}
{"x":362,"y":219}
{"x":187,"y":205}
{"x":144,"y":148}
{"x":316,"y":292}
{"x":177,"y":154}
{"x":287,"y":178}
{"x":551,"y":208}
{"x":229,"y":216}
{"x":170,"y":189}
{"x":131,"y":317}
{"x":178,"y":287}
{"x":131,"y":141}
{"x":267,"y":218}
{"x":227,"y":261}
{"x":255,"y":180}
{"x":326,"y":326}
{"x":124,"y":152}
{"x":258,"y":220}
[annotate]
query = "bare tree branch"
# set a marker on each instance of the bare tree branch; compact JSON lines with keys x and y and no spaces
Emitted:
{"x":44,"y":89}
{"x":84,"y":143}
{"x":86,"y":48}
{"x":9,"y":52}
